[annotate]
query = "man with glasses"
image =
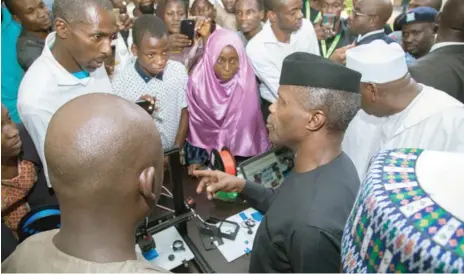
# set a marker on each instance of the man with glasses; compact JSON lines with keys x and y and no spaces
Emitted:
{"x":368,"y":19}
{"x":70,"y":65}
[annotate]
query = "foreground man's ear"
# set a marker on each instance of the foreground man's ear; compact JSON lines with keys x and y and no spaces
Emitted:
{"x":146,"y":181}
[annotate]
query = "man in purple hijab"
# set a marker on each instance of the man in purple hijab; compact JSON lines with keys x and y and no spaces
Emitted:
{"x":305,"y":217}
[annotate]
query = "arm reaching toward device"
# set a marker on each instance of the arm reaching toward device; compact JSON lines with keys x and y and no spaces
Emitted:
{"x":213,"y":181}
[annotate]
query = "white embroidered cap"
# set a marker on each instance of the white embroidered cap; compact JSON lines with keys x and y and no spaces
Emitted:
{"x":378,"y":62}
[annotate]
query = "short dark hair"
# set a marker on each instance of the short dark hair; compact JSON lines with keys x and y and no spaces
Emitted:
{"x":259,"y":2}
{"x":74,"y":11}
{"x":340,"y":107}
{"x":161,"y":8}
{"x":207,"y":2}
{"x":273,"y":5}
{"x":10,"y":5}
{"x":148,"y":24}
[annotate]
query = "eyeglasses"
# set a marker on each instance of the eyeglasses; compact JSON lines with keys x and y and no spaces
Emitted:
{"x":357,"y":13}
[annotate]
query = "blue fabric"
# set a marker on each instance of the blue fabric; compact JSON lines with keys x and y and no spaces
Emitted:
{"x":378,"y":36}
{"x":12,"y":73}
{"x":420,"y":14}
{"x":195,"y":155}
{"x":146,"y":77}
{"x":81,"y":74}
{"x":410,"y":59}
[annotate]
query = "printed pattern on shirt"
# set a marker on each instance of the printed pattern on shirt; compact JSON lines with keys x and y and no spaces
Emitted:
{"x":396,"y":227}
{"x":170,"y":94}
{"x":14,"y":206}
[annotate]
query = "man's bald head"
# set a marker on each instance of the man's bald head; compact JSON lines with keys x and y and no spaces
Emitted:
{"x":370,"y":15}
{"x":381,"y":8}
{"x":451,"y":22}
{"x":100,"y":150}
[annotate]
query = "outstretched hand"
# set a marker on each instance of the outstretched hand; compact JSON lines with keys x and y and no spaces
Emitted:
{"x":213,"y":181}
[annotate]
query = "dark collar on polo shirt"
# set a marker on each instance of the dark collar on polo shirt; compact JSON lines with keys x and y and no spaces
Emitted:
{"x":146,"y":77}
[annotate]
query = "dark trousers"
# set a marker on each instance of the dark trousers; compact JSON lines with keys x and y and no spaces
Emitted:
{"x":265,"y":108}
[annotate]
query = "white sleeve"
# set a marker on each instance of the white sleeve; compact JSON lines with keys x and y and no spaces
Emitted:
{"x":313,"y":42}
{"x":36,"y":123}
{"x":264,"y":69}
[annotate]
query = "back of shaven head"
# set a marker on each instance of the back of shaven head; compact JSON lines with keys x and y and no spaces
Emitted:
{"x":382,"y":8}
{"x":453,"y":15}
{"x":96,"y":147}
{"x":74,"y":11}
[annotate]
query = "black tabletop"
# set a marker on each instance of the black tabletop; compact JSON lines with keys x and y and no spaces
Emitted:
{"x":206,"y":208}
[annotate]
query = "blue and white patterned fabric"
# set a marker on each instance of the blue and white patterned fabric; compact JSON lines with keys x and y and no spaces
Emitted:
{"x":398,"y":224}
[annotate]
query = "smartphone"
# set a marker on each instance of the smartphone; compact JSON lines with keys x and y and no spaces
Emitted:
{"x":329,"y":20}
{"x":187,"y":28}
{"x":146,"y":105}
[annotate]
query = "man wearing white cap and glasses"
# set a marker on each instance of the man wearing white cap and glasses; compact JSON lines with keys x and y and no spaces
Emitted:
{"x":397,"y":111}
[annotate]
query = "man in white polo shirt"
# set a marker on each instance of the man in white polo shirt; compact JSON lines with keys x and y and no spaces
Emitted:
{"x":286,"y":32}
{"x":71,"y":64}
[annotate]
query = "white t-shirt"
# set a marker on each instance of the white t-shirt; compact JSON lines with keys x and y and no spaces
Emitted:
{"x":46,"y":87}
{"x":170,"y":93}
{"x":267,"y":55}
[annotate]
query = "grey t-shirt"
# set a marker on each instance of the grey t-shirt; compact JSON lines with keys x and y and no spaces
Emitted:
{"x":304,"y":219}
{"x":29,"y":47}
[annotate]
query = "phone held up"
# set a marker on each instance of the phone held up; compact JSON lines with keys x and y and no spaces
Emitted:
{"x":146,"y":105}
{"x":187,"y":28}
{"x":329,"y":20}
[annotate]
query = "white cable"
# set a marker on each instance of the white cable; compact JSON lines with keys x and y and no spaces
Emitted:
{"x":165,"y":208}
{"x":201,"y":219}
{"x":169,"y":194}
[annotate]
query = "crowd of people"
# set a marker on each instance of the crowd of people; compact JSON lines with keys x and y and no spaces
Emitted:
{"x":369,"y":109}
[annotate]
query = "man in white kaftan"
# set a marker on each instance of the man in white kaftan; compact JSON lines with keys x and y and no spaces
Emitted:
{"x":396,"y":111}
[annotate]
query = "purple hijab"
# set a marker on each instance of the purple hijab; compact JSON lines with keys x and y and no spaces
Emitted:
{"x":225,"y":114}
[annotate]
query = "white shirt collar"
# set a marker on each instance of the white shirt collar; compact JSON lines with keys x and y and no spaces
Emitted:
{"x":361,"y":37}
{"x":269,"y":35}
{"x":63,"y":77}
{"x":445,"y":44}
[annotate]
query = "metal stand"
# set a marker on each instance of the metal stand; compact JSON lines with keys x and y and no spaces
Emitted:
{"x":181,"y":213}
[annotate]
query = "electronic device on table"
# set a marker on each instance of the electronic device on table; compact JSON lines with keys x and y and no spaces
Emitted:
{"x":268,"y":169}
{"x":163,"y":237}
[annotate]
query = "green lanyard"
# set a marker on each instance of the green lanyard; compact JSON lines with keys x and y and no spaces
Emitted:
{"x":334,"y":44}
{"x":308,"y":13}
